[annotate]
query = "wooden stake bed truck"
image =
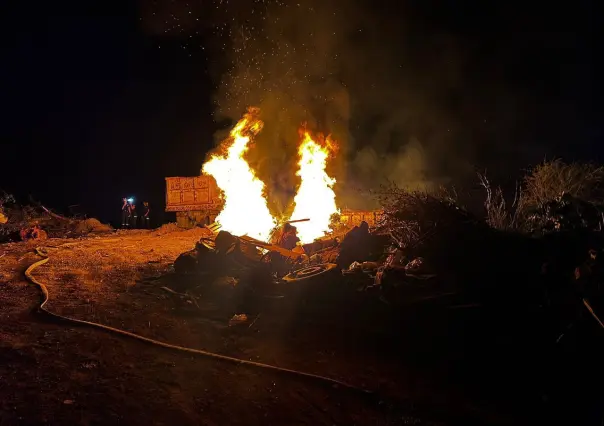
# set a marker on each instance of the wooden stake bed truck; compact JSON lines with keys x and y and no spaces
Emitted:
{"x":196,"y":200}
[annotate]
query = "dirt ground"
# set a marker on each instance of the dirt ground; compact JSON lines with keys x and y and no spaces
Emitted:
{"x":59,"y":373}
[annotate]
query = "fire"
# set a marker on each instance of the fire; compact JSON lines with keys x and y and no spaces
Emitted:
{"x":315,"y":198}
{"x":245,"y":210}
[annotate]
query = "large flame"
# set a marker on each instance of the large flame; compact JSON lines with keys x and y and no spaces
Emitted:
{"x":245,"y":210}
{"x":315,"y":199}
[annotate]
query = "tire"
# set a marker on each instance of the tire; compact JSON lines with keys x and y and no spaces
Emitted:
{"x":311,"y":272}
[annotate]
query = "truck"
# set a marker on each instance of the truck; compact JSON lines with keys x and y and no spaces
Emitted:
{"x":197,"y":201}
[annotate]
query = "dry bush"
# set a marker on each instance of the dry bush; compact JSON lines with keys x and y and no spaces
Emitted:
{"x":550,"y":179}
{"x":544,"y":184}
{"x":413,"y":217}
{"x":91,"y":225}
{"x":499,"y":215}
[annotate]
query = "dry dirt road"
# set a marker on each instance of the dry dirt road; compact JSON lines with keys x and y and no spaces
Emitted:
{"x":58,"y":373}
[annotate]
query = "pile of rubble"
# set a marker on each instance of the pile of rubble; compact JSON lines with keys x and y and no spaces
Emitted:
{"x":425,"y":248}
{"x":361,"y":258}
{"x":36,"y":222}
{"x":412,"y":228}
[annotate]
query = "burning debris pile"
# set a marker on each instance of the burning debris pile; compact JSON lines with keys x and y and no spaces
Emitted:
{"x":419,"y":243}
{"x":247,"y":233}
{"x":424,"y":247}
{"x":382,"y":260}
{"x":36,"y":222}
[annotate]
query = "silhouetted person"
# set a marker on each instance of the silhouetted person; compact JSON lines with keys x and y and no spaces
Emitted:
{"x":133,"y":215}
{"x":146,"y":216}
{"x":125,"y":213}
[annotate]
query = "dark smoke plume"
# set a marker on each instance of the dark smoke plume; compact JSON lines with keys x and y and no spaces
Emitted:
{"x":409,"y":97}
{"x":344,"y":69}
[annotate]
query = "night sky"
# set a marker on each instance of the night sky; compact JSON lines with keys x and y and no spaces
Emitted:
{"x":105,"y":99}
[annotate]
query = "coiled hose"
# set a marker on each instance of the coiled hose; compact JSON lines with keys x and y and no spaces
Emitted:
{"x":45,"y":299}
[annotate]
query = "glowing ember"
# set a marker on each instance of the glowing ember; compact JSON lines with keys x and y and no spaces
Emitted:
{"x":245,"y":210}
{"x":315,"y":199}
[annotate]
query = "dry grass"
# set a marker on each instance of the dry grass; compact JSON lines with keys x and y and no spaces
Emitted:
{"x":91,"y":225}
{"x":94,"y":270}
{"x":168,"y":228}
{"x":499,"y":215}
{"x":544,"y":183}
{"x":45,"y":363}
{"x":551,"y":179}
{"x":412,"y":217}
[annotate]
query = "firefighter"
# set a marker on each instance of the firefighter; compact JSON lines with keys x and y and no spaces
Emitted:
{"x":133,"y":215}
{"x":145,"y":217}
{"x":125,"y":213}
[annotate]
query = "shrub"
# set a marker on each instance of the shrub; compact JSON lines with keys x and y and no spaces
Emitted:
{"x":551,"y":179}
{"x":414,"y":217}
{"x":498,"y":214}
{"x":546,"y":197}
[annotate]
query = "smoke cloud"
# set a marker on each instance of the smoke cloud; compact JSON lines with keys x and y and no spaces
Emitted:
{"x":407,"y":101}
{"x":344,"y":68}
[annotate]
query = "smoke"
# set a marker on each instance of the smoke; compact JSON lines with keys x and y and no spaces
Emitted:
{"x":392,"y":90}
{"x":346,"y":69}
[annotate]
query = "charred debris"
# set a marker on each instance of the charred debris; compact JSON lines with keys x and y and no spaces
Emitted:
{"x":540,"y":252}
{"x":34,"y":221}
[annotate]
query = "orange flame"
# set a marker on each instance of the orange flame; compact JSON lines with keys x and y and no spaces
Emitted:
{"x":315,"y":198}
{"x":245,"y":210}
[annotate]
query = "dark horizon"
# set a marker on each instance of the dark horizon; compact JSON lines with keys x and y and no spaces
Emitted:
{"x":105,"y":100}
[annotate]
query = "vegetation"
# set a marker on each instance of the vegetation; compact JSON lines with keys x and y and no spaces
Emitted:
{"x":419,"y":221}
{"x":545,"y":193}
{"x":552,"y":179}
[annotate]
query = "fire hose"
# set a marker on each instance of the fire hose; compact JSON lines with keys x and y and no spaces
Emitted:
{"x":592,"y":312}
{"x":46,"y":298}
